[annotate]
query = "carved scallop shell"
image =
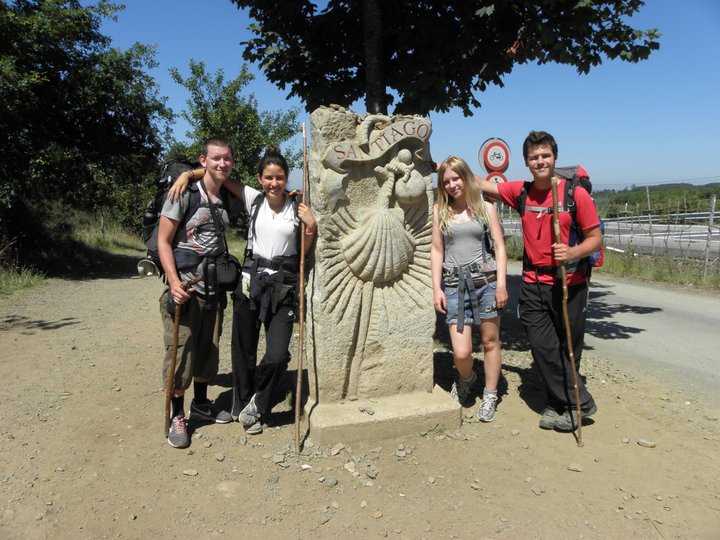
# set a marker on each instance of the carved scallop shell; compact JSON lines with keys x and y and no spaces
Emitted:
{"x":380,"y":251}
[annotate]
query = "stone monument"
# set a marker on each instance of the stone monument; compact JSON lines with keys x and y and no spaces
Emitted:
{"x":370,"y":315}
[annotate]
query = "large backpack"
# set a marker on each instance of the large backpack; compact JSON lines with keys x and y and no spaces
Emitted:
{"x":574,"y":176}
{"x":151,"y":218}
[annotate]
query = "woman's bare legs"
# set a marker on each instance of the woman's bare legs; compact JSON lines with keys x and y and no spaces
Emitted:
{"x":492,"y":360}
{"x":462,"y":350}
{"x":492,"y":357}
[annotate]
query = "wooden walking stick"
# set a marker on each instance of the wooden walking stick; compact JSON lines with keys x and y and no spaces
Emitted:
{"x":566,"y":317}
{"x":170,"y":379}
{"x":301,"y":299}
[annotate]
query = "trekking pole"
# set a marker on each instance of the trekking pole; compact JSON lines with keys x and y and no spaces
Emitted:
{"x":170,"y":380}
{"x":301,"y":297}
{"x":566,"y":317}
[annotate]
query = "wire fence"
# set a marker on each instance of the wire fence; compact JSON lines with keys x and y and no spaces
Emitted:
{"x":657,"y":231}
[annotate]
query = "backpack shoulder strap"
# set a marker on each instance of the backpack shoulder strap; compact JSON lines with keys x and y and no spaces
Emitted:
{"x":194,"y":202}
{"x":522,"y":198}
{"x":569,"y":197}
{"x":254,"y":211}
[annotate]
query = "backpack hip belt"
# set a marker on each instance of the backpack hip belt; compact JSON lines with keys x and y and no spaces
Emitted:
{"x":287,"y":264}
{"x":572,"y":266}
{"x":452,"y":275}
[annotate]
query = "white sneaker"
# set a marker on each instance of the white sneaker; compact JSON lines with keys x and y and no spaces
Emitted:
{"x":486,"y":412}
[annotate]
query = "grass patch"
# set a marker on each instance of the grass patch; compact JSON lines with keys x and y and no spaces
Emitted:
{"x":16,"y":279}
{"x":67,"y":243}
{"x":63,"y":242}
{"x":514,"y":248}
{"x":96,"y":231}
{"x":236,"y":243}
{"x":662,"y":269}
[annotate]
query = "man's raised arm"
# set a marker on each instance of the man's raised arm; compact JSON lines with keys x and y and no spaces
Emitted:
{"x":489,"y":189}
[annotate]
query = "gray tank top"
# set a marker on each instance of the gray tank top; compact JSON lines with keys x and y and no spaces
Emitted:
{"x":465,"y":244}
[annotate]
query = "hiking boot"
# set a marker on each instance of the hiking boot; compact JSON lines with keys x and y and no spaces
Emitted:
{"x":548,"y":418}
{"x":250,"y":415}
{"x":568,"y":421}
{"x":486,"y":412}
{"x":255,"y":429}
{"x":207,"y":411}
{"x":461,"y":390}
{"x":178,"y":435}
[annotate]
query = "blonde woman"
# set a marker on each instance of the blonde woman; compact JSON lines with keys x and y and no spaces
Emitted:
{"x":469,"y":267}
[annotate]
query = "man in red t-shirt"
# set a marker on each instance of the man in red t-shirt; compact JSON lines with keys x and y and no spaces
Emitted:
{"x":541,"y":289}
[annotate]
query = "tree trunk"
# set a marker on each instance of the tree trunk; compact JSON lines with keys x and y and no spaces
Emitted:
{"x":375,"y":98}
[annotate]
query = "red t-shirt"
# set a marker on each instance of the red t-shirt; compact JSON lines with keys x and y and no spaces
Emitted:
{"x":537,"y":227}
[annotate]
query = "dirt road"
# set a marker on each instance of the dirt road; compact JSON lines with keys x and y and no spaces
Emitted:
{"x":82,"y":454}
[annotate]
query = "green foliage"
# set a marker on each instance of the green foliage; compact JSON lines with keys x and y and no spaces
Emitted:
{"x":514,"y":247}
{"x":101,"y":230}
{"x":664,"y":199}
{"x":440,"y":54}
{"x":80,"y":122}
{"x":218,"y":109}
{"x":74,"y":243}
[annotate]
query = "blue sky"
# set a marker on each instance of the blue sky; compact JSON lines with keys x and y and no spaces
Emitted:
{"x":645,"y":123}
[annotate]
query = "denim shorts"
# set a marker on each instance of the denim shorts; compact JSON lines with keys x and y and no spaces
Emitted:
{"x":485,"y":295}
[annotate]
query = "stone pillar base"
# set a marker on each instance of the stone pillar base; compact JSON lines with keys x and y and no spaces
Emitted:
{"x":392,"y":416}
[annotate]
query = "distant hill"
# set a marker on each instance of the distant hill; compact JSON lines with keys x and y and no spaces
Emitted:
{"x":664,"y":198}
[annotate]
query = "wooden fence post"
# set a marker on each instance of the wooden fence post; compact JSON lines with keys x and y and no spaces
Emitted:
{"x":709,"y":235}
{"x":652,"y":239}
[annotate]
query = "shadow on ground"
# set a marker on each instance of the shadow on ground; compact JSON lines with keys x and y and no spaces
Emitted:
{"x":16,"y":321}
{"x":283,"y":399}
{"x":75,"y":260}
{"x":599,"y":323}
{"x":601,"y":310}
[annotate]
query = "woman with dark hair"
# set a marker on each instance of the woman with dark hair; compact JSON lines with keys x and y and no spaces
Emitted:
{"x":267,"y":293}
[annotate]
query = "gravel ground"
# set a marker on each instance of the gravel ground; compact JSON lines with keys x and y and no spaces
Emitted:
{"x":82,"y":454}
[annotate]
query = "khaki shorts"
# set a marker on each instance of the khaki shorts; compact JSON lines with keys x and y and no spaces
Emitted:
{"x":198,"y":352}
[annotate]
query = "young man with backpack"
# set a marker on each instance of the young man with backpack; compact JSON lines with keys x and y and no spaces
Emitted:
{"x":267,"y":294}
{"x":190,"y":244}
{"x":541,"y":290}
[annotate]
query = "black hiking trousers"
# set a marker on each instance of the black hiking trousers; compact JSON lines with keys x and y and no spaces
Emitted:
{"x":248,"y":377}
{"x":541,"y":315}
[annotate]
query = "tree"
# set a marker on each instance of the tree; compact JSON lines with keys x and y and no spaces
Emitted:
{"x":432,"y":55}
{"x":217,"y":108}
{"x":81,"y":123}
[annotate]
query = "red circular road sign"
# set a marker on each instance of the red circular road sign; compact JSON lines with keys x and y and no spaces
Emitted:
{"x":496,"y":178}
{"x":494,"y":155}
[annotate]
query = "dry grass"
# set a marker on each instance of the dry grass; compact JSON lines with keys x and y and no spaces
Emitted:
{"x":16,"y":279}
